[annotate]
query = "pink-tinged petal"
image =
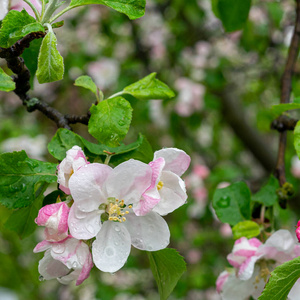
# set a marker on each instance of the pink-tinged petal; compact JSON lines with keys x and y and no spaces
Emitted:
{"x":173,"y":193}
{"x":84,"y":225}
{"x":298,"y":232}
{"x":151,"y":196}
{"x":65,"y":189}
{"x":42,"y":246}
{"x":86,"y":269}
{"x":69,"y":277}
{"x":20,"y":5}
{"x":247,"y":268}
{"x":177,"y":161}
{"x":201,"y":170}
{"x":128,"y":181}
{"x":50,"y":268}
{"x":150,"y":232}
{"x":221,"y":280}
{"x":146,"y":205}
{"x":86,"y":186}
{"x":254,"y":242}
{"x":112,"y":246}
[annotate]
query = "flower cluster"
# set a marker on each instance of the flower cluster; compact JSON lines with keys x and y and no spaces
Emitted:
{"x":253,"y":263}
{"x":111,"y":209}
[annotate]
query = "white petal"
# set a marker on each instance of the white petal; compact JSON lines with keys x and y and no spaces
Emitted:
{"x":173,"y":193}
{"x":149,"y":232}
{"x":111,"y":247}
{"x":295,"y":291}
{"x":177,"y":161}
{"x":84,"y":225}
{"x":70,"y":277}
{"x":86,"y":186}
{"x":128,"y":181}
{"x":50,"y":268}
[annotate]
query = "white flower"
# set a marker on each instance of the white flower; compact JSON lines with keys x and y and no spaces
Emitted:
{"x":74,"y":160}
{"x":102,"y":192}
{"x":253,"y":264}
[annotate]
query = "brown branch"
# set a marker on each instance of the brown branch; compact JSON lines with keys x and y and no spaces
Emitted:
{"x":286,"y":86}
{"x":22,"y":78}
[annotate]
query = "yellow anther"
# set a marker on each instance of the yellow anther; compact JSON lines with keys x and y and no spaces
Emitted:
{"x":126,"y":212}
{"x":123,"y":219}
{"x":129,"y":206}
{"x":160,"y":185}
{"x":115,"y":210}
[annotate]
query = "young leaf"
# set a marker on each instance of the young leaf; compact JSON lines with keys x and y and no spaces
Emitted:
{"x":33,"y":27}
{"x":110,"y":120}
{"x":65,"y":139}
{"x":30,"y":56}
{"x":50,"y":62}
{"x":132,"y":8}
{"x":167,"y":266}
{"x":232,"y":13}
{"x":248,"y":229}
{"x":149,"y":88}
{"x":297,"y":138}
{"x":13,"y":23}
{"x":282,"y":280}
{"x":267,"y":194}
{"x":232,"y":204}
{"x":6,"y":82}
{"x":87,"y":83}
{"x":22,"y":220}
{"x":19,"y":176}
{"x":278,"y":109}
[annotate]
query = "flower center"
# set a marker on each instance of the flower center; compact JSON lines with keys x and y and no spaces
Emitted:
{"x":115,"y":210}
{"x":160,"y":185}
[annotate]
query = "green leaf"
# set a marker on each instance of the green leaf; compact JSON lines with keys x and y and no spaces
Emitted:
{"x":19,"y":176}
{"x":110,"y":120}
{"x":65,"y":139}
{"x":232,"y":204}
{"x":297,"y":138}
{"x":167,"y":266}
{"x":282,"y":280}
{"x":50,"y":62}
{"x":13,"y":22}
{"x":248,"y":229}
{"x":232,"y":13}
{"x":278,"y":109}
{"x":132,"y":8}
{"x":87,"y":83}
{"x":149,"y":88}
{"x":6,"y":82}
{"x":30,"y":56}
{"x":33,"y":27}
{"x":267,"y":194}
{"x":22,"y":220}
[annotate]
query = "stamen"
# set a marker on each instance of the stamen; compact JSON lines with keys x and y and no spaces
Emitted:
{"x":115,"y":210}
{"x":160,"y":185}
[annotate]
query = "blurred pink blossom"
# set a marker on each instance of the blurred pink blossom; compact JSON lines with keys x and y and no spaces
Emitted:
{"x":295,"y":168}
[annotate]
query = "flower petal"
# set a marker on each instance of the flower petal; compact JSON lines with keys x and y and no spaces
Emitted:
{"x":150,"y":232}
{"x":128,"y":181}
{"x":111,"y":247}
{"x":42,"y":246}
{"x":173,"y":193}
{"x":177,"y":161}
{"x":50,"y":268}
{"x":86,"y":186}
{"x":84,"y":225}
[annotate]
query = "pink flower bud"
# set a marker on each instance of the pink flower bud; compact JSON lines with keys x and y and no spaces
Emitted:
{"x":298,"y":231}
{"x":55,"y":218}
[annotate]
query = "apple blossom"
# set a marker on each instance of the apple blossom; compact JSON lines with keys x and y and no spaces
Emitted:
{"x":67,"y":260}
{"x":253,"y":263}
{"x":103,"y":199}
{"x":295,"y":168}
{"x":55,"y":218}
{"x":167,"y":190}
{"x":75,"y":159}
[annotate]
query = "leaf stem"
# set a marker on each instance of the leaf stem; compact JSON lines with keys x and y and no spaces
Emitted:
{"x":107,"y":159}
{"x":61,"y":13}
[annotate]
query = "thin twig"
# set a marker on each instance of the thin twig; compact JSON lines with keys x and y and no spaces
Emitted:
{"x":286,"y":86}
{"x":22,"y":80}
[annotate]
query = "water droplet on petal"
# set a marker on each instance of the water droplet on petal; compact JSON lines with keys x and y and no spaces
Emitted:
{"x":90,"y":229}
{"x":117,"y":228}
{"x":58,"y":248}
{"x":109,"y":251}
{"x":74,"y":265}
{"x":137,"y":242}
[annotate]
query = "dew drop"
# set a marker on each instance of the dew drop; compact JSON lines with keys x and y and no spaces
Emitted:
{"x":117,"y":228}
{"x":74,"y":265}
{"x":90,"y":229}
{"x":223,"y":202}
{"x":109,"y":251}
{"x":137,"y":242}
{"x":58,"y":248}
{"x":116,"y":243}
{"x":79,"y":214}
{"x":23,"y":187}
